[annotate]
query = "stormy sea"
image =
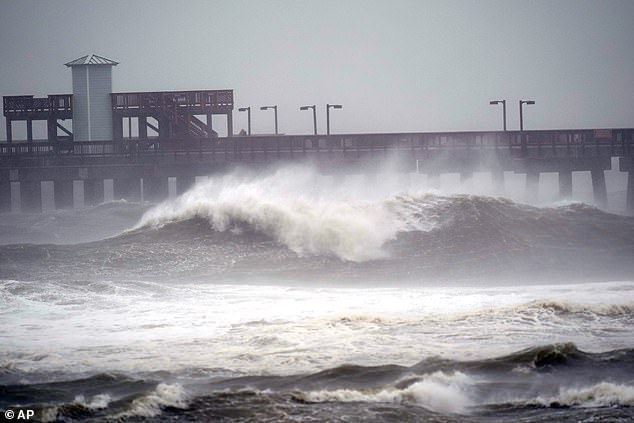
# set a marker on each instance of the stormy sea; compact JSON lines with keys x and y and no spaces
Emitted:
{"x":291,"y":296}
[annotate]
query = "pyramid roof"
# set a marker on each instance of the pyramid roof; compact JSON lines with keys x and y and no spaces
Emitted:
{"x":92,"y":59}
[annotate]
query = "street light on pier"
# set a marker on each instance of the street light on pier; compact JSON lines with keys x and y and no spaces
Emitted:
{"x":503,"y":102}
{"x":522,"y":137}
{"x":248,"y":110}
{"x":328,"y":107}
{"x":275,"y":110}
{"x":522,"y":102}
{"x":314,"y":115}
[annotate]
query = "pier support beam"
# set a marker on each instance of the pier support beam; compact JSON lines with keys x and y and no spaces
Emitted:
{"x":210,"y":125}
{"x":93,"y":192}
{"x":497,"y":178}
{"x":16,"y":201}
{"x":599,"y":189}
{"x":9,"y":130}
{"x":29,"y":129}
{"x":63,"y":194}
{"x":229,"y":124}
{"x":5,"y":196}
{"x":128,"y":189}
{"x":155,"y":189}
{"x":31,"y":196}
{"x":183,"y":183}
{"x":142,"y":127}
{"x":565,"y":184}
{"x":51,"y":128}
{"x":117,"y":127}
{"x":465,"y":176}
{"x":532,"y":186}
{"x":629,"y":202}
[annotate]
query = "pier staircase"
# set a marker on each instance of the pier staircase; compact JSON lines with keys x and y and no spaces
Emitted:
{"x":176,"y":112}
{"x":182,"y":122}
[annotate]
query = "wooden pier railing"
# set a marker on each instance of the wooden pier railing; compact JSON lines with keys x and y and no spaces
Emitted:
{"x":554,"y":143}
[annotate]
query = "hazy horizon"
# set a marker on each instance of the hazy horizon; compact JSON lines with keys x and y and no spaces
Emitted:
{"x":394,"y":66}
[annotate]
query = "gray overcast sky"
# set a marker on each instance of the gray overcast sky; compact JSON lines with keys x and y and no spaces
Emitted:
{"x":394,"y":65}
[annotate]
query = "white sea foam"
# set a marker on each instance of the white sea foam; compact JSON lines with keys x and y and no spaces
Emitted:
{"x":165,"y":395}
{"x":298,"y":208}
{"x":539,"y":310}
{"x":603,"y":394}
{"x":561,"y":306}
{"x":49,"y":414}
{"x":439,"y":392}
{"x":192,"y":325}
{"x":96,"y":402}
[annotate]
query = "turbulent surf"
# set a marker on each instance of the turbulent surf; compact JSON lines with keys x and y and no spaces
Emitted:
{"x":291,"y":296}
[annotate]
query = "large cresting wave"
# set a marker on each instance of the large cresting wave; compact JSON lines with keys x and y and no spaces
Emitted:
{"x":296,"y":224}
{"x":357,"y":220}
{"x":306,"y":212}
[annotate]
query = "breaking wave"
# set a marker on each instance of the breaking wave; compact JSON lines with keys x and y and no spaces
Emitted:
{"x":562,"y":377}
{"x":280,"y":206}
{"x":295,"y":224}
{"x":439,"y":392}
{"x":569,"y":307}
{"x":151,"y":404}
{"x":129,"y":403}
{"x":355,"y":222}
{"x":604,"y":394}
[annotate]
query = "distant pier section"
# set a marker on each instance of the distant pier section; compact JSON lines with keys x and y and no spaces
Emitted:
{"x":138,"y":143}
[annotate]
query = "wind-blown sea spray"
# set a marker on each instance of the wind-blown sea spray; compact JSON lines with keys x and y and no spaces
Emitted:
{"x":360,"y":219}
{"x":296,"y":207}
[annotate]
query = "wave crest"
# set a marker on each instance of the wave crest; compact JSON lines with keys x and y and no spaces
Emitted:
{"x":439,"y":392}
{"x":313,"y":216}
{"x":285,"y":207}
{"x":603,"y":394}
{"x":151,"y":404}
{"x":568,"y":307}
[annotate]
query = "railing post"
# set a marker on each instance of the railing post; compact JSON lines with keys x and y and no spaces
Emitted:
{"x":9,"y":131}
{"x":291,"y":142}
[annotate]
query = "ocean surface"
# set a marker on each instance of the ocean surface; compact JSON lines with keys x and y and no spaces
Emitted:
{"x":295,"y":297}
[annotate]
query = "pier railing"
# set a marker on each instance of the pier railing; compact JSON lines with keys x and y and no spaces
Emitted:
{"x":557,"y":143}
{"x":23,"y":104}
{"x":150,"y":101}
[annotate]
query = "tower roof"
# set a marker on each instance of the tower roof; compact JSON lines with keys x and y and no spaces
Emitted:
{"x":92,"y":59}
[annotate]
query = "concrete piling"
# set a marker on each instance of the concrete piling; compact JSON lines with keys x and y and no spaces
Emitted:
{"x":127,"y":189}
{"x":155,"y":189}
{"x":565,"y":184}
{"x":532,"y":186}
{"x":93,"y":192}
{"x":31,"y":196}
{"x":63,"y":193}
{"x":184,"y":182}
{"x":599,"y":188}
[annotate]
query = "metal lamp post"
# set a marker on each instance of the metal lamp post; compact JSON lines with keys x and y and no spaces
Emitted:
{"x":503,"y":102}
{"x":248,"y":110}
{"x":523,"y":138}
{"x":275,"y":110}
{"x":522,"y":102}
{"x":314,"y":115}
{"x":328,"y":107}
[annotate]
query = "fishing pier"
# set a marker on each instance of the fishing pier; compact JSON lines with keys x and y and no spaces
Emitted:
{"x":136,"y":142}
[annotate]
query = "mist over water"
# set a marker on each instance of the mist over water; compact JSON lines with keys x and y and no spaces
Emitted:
{"x":71,"y":226}
{"x":289,"y":295}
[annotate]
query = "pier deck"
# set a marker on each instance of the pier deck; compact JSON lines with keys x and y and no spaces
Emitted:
{"x":128,"y":161}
